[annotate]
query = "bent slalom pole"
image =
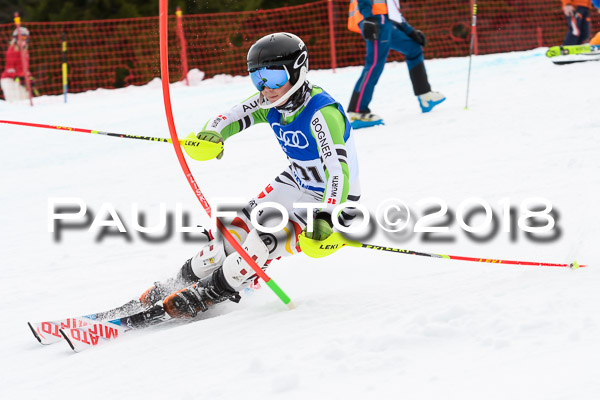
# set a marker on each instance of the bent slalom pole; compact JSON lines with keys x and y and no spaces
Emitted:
{"x":199,"y":150}
{"x":164,"y":68}
{"x":317,"y":249}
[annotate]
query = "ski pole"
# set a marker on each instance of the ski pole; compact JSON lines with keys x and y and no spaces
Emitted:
{"x":336,"y":241}
{"x":199,"y":150}
{"x":164,"y":69}
{"x":473,"y":35}
{"x":65,"y":68}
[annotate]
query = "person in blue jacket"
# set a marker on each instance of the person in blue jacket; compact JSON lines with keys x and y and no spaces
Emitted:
{"x":383,"y":27}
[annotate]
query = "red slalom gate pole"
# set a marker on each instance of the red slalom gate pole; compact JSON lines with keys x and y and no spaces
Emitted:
{"x":181,"y":35}
{"x":164,"y":68}
{"x":331,"y":34}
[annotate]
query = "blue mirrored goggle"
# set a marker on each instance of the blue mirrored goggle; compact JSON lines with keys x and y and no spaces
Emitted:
{"x":271,"y":78}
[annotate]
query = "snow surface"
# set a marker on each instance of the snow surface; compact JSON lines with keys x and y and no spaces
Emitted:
{"x":368,"y":325}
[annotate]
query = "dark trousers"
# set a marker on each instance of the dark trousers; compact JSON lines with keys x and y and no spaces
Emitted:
{"x":390,"y":37}
{"x":579,"y":27}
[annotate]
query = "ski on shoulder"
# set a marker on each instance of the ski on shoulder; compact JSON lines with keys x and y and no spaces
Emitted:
{"x":574,"y":49}
{"x":572,"y":54}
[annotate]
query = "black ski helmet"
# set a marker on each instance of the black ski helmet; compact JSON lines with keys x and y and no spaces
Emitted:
{"x":281,"y":49}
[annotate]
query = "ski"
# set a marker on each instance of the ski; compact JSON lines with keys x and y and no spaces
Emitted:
{"x":358,"y":124}
{"x":91,"y":330}
{"x":556,"y":51}
{"x":575,"y":58}
{"x":94,"y":333}
{"x":88,"y":336}
{"x":48,"y":332}
{"x":81,"y":338}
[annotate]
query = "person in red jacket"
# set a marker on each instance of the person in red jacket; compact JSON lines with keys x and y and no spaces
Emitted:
{"x":13,"y":77}
{"x":577,"y":14}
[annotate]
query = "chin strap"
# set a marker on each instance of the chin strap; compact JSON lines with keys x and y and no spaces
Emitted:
{"x":297,"y":100}
{"x":264,"y":103}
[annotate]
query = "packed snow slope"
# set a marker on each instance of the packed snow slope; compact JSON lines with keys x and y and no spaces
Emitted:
{"x":368,"y":324}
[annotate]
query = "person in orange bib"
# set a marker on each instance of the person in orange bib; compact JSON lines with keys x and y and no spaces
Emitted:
{"x":577,"y":15}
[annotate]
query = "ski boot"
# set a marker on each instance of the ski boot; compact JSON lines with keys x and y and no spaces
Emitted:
{"x":151,"y":316}
{"x":429,"y":100}
{"x":188,"y":302}
{"x":208,"y":259}
{"x":154,"y":294}
{"x":366,"y":119}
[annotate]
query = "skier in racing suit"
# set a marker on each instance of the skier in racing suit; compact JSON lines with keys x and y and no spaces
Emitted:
{"x":314,"y":133}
